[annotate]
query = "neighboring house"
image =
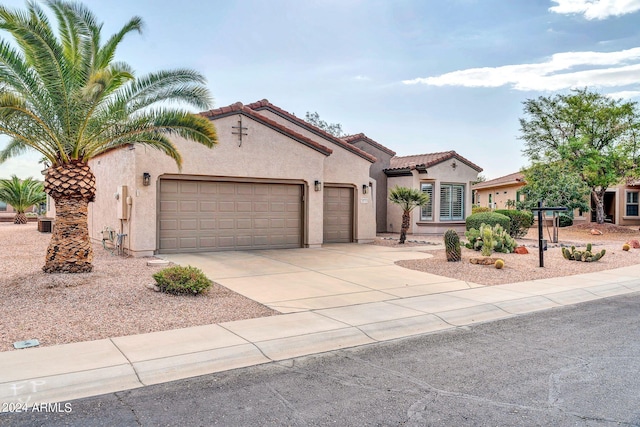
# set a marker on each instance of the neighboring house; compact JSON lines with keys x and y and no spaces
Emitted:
{"x":495,"y":193}
{"x":620,"y":202}
{"x":446,"y":177}
{"x":381,"y":190}
{"x":273,"y":181}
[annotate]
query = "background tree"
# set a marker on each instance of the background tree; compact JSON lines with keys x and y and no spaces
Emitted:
{"x":334,"y":129}
{"x":480,"y":178}
{"x":67,"y":98}
{"x":21,"y":195}
{"x":593,"y":135}
{"x":555,"y":184}
{"x":408,"y":199}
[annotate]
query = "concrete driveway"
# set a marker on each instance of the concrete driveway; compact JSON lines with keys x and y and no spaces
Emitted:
{"x":336,"y":275}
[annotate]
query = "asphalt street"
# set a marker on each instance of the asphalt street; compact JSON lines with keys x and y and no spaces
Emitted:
{"x":572,"y":366}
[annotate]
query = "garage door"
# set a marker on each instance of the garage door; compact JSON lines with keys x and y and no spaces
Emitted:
{"x":338,"y":215}
{"x":200,"y":216}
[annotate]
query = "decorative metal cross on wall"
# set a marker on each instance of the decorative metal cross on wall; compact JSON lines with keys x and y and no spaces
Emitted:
{"x":240,"y":132}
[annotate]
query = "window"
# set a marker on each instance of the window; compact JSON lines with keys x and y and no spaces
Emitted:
{"x":632,"y":203}
{"x":426,"y":213}
{"x":490,"y":200}
{"x":451,"y":202}
{"x":3,"y":206}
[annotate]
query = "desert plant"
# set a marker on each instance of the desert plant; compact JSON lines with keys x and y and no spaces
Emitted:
{"x":584,"y":256}
{"x":489,"y":218}
{"x":489,"y":239}
{"x":626,"y":247}
{"x":66,"y":96}
{"x":182,"y":280}
{"x":478,"y":209}
{"x":21,"y":194}
{"x":408,"y":199}
{"x":519,"y":221}
{"x":452,"y":246}
{"x":499,"y":264}
{"x":565,"y":220}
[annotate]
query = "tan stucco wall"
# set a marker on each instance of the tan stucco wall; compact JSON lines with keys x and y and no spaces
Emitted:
{"x":343,"y":167}
{"x":499,"y":195}
{"x":442,"y":173}
{"x":265,"y":154}
{"x":117,"y":168}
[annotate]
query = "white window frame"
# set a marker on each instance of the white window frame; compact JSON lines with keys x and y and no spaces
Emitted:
{"x":448,"y":205}
{"x":3,"y":207}
{"x":632,"y":203}
{"x":426,"y":211}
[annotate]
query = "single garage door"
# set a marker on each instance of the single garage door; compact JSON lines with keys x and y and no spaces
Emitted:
{"x":201,"y":216}
{"x":338,"y":215}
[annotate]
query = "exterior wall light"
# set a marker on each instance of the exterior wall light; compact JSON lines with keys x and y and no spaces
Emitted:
{"x":317,"y":185}
{"x":146,"y":179}
{"x":365,"y":188}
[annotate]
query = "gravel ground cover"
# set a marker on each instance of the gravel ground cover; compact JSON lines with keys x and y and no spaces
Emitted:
{"x":114,"y":299}
{"x":519,"y":268}
{"x":111,"y":301}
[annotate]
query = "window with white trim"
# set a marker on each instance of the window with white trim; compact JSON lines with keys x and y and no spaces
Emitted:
{"x":3,"y":206}
{"x":426,"y":213}
{"x":632,"y":203}
{"x":451,"y":202}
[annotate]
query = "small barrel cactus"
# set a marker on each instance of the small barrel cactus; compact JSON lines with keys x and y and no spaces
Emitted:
{"x":499,"y":263}
{"x":626,"y":247}
{"x":452,"y":246}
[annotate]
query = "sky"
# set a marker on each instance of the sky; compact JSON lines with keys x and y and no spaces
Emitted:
{"x":417,"y":76}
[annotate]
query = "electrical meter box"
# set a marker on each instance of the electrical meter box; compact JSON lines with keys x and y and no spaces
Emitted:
{"x":122,"y":208}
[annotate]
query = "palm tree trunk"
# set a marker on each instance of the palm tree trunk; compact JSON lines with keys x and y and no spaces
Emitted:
{"x":20,"y":218}
{"x":70,"y":248}
{"x":72,"y":186}
{"x":406,"y":221}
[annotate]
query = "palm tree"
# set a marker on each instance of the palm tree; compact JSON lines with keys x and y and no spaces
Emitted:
{"x":21,"y":195}
{"x":67,"y":98}
{"x":408,"y":199}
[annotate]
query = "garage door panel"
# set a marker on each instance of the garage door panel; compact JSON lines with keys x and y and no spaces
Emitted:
{"x":213,"y":216}
{"x":338,"y":215}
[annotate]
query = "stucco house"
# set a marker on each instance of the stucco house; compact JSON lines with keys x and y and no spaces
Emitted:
{"x":273,"y":181}
{"x":446,"y":177}
{"x":620,"y":202}
{"x":383,"y":157}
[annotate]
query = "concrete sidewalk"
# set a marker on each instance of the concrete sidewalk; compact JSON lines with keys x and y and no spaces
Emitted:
{"x":334,"y":297}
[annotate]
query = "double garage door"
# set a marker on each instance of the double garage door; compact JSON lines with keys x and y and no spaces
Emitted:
{"x":201,"y":216}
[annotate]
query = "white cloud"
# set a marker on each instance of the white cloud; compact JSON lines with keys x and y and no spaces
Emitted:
{"x":596,"y":9}
{"x":625,"y":94}
{"x":604,"y":69}
{"x":362,"y":78}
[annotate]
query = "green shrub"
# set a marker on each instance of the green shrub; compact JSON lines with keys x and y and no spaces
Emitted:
{"x":519,"y":221}
{"x":489,"y":239}
{"x":182,"y":280}
{"x":490,"y":218}
{"x":565,"y":220}
{"x":478,"y":209}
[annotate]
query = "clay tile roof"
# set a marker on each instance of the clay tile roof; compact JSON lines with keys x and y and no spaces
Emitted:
{"x":512,"y":178}
{"x":266,"y":105}
{"x":362,"y":137}
{"x":427,"y":160}
{"x":239,"y":108}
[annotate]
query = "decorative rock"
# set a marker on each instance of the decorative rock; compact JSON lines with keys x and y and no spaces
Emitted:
{"x":596,"y":232}
{"x":153,"y":287}
{"x":634,"y":244}
{"x":483,"y":261}
{"x":521,"y":250}
{"x":158,"y":263}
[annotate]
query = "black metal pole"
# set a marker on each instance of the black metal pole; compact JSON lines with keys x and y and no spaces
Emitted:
{"x":540,"y":248}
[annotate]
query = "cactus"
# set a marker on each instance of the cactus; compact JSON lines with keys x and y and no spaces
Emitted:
{"x":452,"y":246}
{"x":499,"y":263}
{"x":584,"y":256}
{"x":490,"y":239}
{"x":626,"y":247}
{"x":487,"y":239}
